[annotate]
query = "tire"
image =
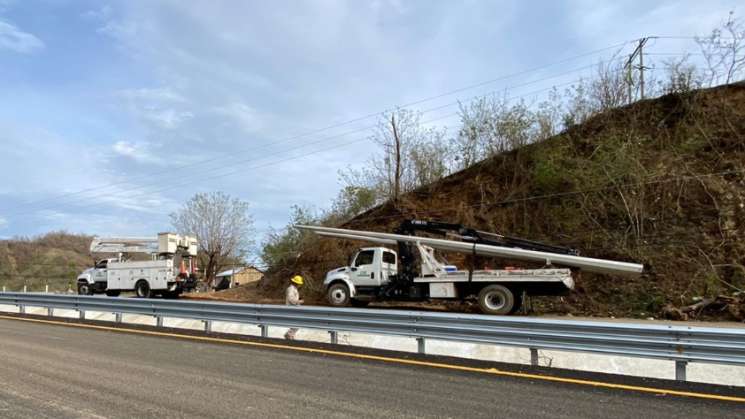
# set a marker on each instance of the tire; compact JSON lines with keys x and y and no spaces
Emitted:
{"x":338,"y":295}
{"x":496,"y":299}
{"x":359,"y":303}
{"x":85,"y":288}
{"x":113,"y":293}
{"x":142,"y":289}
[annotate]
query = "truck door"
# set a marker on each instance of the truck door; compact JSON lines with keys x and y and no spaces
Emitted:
{"x":99,"y":273}
{"x":365,"y":271}
{"x":388,"y":266}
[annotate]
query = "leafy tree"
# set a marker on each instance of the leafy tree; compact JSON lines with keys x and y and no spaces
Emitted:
{"x":287,"y":243}
{"x":222,"y":225}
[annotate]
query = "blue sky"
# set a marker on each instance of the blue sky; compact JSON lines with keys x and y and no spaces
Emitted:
{"x":113,"y":113}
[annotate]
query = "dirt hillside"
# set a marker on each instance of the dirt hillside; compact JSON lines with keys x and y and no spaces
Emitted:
{"x":660,"y":182}
{"x":54,"y":259}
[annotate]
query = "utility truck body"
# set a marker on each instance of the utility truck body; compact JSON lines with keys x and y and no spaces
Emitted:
{"x":170,"y":271}
{"x":414,"y":273}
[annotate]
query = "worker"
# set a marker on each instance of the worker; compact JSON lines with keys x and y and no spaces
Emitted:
{"x":292,"y":298}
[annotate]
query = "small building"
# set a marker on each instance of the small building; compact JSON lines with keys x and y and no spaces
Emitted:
{"x":237,"y":276}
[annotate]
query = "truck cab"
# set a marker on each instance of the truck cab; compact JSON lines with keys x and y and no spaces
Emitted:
{"x":94,"y":280}
{"x":368,"y":270}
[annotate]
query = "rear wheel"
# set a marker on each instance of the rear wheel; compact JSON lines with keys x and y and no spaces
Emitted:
{"x":113,"y":293}
{"x":338,"y":295}
{"x":85,"y":288}
{"x":496,"y":299}
{"x":142,"y":289}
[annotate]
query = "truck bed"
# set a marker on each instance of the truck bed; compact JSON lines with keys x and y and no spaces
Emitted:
{"x":553,"y":275}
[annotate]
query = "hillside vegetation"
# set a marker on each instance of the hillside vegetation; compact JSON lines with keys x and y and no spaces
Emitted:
{"x":658,"y":182}
{"x":54,"y":259}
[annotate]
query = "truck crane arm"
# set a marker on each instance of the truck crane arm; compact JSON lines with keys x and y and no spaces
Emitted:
{"x":467,"y":234}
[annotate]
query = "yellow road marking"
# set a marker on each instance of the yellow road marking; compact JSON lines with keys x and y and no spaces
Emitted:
{"x":492,"y":371}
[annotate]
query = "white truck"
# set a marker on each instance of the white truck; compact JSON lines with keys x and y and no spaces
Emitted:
{"x":170,"y":271}
{"x":380,"y":273}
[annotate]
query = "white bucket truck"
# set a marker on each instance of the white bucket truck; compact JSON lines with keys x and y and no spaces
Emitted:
{"x":170,"y":271}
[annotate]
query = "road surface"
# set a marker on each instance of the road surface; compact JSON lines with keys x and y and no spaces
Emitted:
{"x":68,"y":372}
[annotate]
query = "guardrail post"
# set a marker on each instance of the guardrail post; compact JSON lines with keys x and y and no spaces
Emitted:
{"x":159,"y":321}
{"x":3,"y":288}
{"x":81,"y":314}
{"x":334,"y":336}
{"x":207,"y":326}
{"x":534,"y":357}
{"x":264,"y":330}
{"x":420,"y":345}
{"x":118,"y":317}
{"x":22,"y":309}
{"x":680,"y":370}
{"x":24,"y":288}
{"x":50,"y":311}
{"x":46,"y":288}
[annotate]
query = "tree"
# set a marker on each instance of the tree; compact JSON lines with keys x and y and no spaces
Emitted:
{"x":222,"y":226}
{"x":724,"y":51}
{"x":412,"y":155}
{"x":491,"y":125}
{"x":287,"y":244}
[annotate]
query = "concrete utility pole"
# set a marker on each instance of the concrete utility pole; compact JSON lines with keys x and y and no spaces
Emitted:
{"x":638,"y":52}
{"x":641,"y":66}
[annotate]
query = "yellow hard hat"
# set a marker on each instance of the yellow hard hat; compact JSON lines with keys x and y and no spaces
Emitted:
{"x":297,"y":279}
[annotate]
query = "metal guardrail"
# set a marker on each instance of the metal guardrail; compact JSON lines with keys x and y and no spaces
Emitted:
{"x":681,"y":344}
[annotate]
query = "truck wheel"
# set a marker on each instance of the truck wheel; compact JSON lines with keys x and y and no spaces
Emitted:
{"x":142,"y":289}
{"x":496,"y":299}
{"x":338,"y":295}
{"x":84,"y":288}
{"x":113,"y":293}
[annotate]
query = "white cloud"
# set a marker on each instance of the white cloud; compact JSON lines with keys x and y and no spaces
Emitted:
{"x":152,"y":95}
{"x":3,"y":223}
{"x":168,"y":118}
{"x":246,"y":117}
{"x":162,"y":107}
{"x":138,"y":151}
{"x":14,"y":39}
{"x":102,"y":13}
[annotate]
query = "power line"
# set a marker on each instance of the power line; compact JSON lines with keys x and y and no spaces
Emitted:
{"x":323,"y":140}
{"x":357,"y":119}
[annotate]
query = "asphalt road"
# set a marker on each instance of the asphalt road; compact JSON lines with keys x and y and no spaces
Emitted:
{"x":67,"y":372}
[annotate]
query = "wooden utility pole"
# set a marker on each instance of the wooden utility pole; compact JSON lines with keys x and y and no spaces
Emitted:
{"x":397,"y":170}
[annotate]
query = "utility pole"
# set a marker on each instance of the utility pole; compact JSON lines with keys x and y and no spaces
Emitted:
{"x":638,"y":52}
{"x":641,"y":65}
{"x":397,"y":173}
